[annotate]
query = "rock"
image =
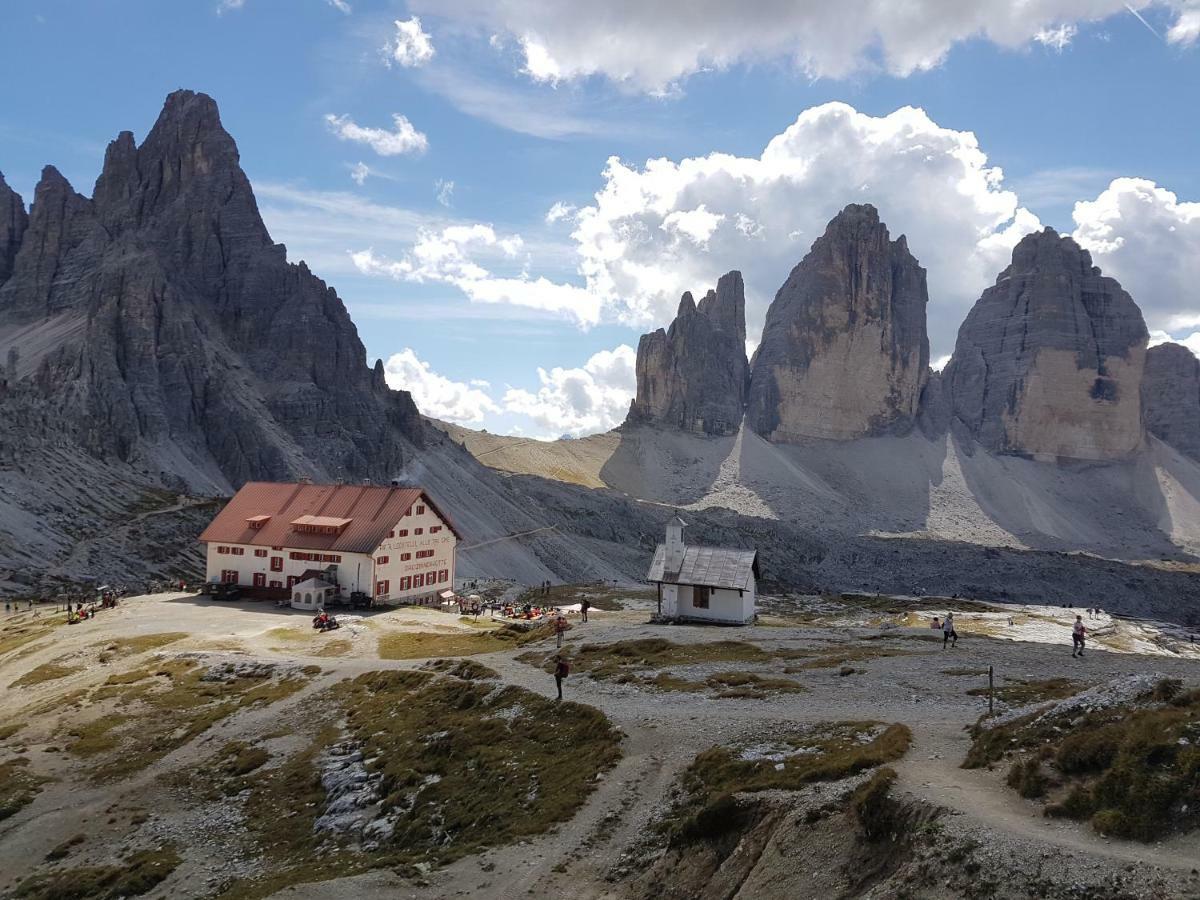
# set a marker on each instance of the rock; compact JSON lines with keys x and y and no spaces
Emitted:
{"x":13,"y":221}
{"x":1171,"y":397}
{"x":693,"y":376}
{"x":1049,"y":361}
{"x":844,"y":351}
{"x":172,"y":334}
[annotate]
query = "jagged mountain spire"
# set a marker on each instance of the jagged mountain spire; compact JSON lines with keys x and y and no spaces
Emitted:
{"x":844,"y":352}
{"x":693,"y":376}
{"x":1049,"y":361}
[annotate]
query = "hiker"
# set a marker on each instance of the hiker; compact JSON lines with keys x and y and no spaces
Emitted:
{"x":561,"y":671}
{"x":1078,"y":635}
{"x":948,"y":632}
{"x":560,"y":627}
{"x":1010,"y":621}
{"x":936,"y":624}
{"x":584,"y":606}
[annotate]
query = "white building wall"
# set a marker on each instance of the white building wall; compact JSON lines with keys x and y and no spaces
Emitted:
{"x":396,"y":581}
{"x":724,"y":605}
{"x":354,"y":569}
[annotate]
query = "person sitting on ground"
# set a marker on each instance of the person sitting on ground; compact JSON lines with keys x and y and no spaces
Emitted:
{"x":936,"y":625}
{"x":948,"y":632}
{"x":1078,"y":636}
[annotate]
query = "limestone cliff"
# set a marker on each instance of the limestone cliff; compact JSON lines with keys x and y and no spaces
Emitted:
{"x":13,"y":221}
{"x":157,"y":324}
{"x":693,"y":376}
{"x":1171,"y":397}
{"x":1049,"y":361}
{"x":844,"y":351}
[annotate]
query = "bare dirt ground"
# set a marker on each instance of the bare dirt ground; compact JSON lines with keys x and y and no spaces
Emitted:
{"x":599,"y":851}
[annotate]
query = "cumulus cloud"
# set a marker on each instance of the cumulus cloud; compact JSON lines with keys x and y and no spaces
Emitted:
{"x":435,"y":395}
{"x":657,"y":230}
{"x":404,"y":139}
{"x":560,"y":210}
{"x":653,"y":46}
{"x":359,"y":173}
{"x":593,"y":397}
{"x":410,"y":46}
{"x":1149,"y":240}
{"x":465,"y":257}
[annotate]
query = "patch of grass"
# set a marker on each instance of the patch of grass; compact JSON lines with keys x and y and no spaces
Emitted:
{"x":836,"y":751}
{"x":426,"y":644}
{"x":164,"y":706}
{"x":1027,"y":779}
{"x":466,"y":669}
{"x":1133,"y":771}
{"x":18,"y":786}
{"x":141,"y":872}
{"x":1019,"y":692}
{"x":129,"y":646}
{"x":747,"y":685}
{"x":20,"y":633}
{"x":463,"y":767}
{"x":238,"y":758}
{"x":64,"y":849}
{"x":627,"y":658}
{"x":849,"y":654}
{"x":51,"y":671}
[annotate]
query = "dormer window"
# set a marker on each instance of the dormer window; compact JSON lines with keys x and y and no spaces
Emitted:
{"x":320,"y":525}
{"x":257,"y":522}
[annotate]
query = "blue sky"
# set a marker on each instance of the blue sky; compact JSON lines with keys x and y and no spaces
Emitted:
{"x":441,"y":246}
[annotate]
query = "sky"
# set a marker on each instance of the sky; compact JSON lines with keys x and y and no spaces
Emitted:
{"x":507,"y":193}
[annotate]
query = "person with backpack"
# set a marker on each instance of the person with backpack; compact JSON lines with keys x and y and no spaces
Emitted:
{"x":949,"y":635}
{"x":1078,"y":636}
{"x":584,"y":606}
{"x":561,"y":671}
{"x":560,"y":628}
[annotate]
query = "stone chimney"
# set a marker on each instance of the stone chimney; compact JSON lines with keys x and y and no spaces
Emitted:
{"x":674,"y":558}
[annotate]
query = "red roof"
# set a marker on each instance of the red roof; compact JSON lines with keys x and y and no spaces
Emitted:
{"x":369,"y":511}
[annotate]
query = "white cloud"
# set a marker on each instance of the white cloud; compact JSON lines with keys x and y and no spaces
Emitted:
{"x":1058,"y":38}
{"x":411,"y":46}
{"x":445,"y":191}
{"x":654,"y":46}
{"x":359,"y":173}
{"x":465,"y":256}
{"x":1186,"y":30}
{"x":436,"y":395}
{"x":341,"y":6}
{"x":594,"y":397}
{"x":405,"y":139}
{"x":1146,"y":238}
{"x":560,"y":210}
{"x":666,"y":227}
{"x":227,"y":5}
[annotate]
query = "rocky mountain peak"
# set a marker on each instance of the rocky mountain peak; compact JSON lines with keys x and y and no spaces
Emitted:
{"x":693,"y":376}
{"x":1049,"y":361}
{"x":1171,"y":397}
{"x":173,"y":334}
{"x":13,"y":222}
{"x":844,"y":352}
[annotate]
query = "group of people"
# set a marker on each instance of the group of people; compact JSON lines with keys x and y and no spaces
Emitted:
{"x":79,"y":612}
{"x":1078,"y":631}
{"x":946,"y":626}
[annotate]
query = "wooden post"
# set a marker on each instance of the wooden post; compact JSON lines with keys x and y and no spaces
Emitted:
{"x":991,"y":692}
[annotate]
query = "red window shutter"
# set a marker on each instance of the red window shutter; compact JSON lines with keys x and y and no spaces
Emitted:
{"x":260,"y":580}
{"x":381,"y":588}
{"x":276,"y":563}
{"x":291,"y":580}
{"x":276,"y":584}
{"x":418,"y":581}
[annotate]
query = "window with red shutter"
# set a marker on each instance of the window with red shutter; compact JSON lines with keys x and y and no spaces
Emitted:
{"x":276,"y":584}
{"x":406,"y":583}
{"x":260,"y":553}
{"x":420,"y":510}
{"x":260,"y":580}
{"x":276,"y":563}
{"x":418,"y":581}
{"x":443,"y":576}
{"x":381,"y":588}
{"x":381,"y":561}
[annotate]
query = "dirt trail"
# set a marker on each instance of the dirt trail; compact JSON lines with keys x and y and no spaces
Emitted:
{"x":931,"y":771}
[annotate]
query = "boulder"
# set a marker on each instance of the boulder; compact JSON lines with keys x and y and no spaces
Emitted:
{"x":693,"y":376}
{"x":1171,"y":397}
{"x":1049,"y":361}
{"x":844,"y":351}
